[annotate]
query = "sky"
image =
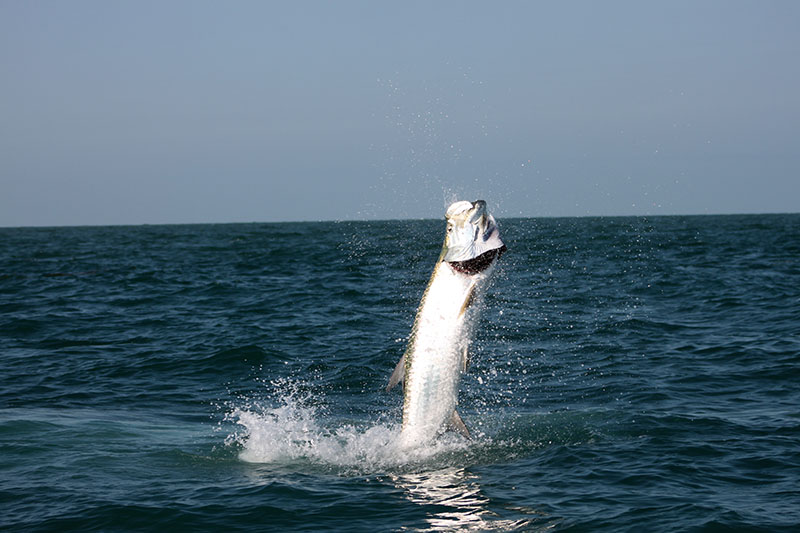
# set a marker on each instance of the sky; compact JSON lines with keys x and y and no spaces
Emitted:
{"x":134,"y":112}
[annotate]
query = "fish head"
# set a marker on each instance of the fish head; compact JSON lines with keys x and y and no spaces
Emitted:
{"x":471,"y":233}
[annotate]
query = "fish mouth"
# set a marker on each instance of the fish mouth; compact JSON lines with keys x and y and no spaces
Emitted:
{"x":476,"y":265}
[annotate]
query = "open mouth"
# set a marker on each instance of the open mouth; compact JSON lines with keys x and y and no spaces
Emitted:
{"x":477,"y":264}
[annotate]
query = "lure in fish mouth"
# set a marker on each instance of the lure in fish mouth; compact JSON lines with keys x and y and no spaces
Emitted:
{"x":472,"y":241}
{"x":436,"y":356}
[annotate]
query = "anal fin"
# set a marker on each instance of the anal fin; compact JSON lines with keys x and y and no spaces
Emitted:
{"x":456,"y":424}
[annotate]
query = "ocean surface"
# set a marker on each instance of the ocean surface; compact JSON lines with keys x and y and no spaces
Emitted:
{"x":628,"y":374}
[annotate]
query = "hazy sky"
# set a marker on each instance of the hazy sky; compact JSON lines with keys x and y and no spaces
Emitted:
{"x":128,"y":112}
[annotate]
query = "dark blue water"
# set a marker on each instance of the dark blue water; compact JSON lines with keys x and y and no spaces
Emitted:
{"x":629,"y":374}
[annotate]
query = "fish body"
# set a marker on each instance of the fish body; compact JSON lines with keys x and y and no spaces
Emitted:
{"x":436,"y":356}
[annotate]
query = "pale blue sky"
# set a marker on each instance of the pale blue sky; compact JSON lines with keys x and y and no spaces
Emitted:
{"x":133,"y":112}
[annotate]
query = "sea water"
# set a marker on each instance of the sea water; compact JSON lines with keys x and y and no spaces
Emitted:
{"x":628,"y":374}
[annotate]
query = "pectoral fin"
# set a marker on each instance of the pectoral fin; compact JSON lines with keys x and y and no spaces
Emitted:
{"x":398,"y":374}
{"x":468,"y":300}
{"x":456,"y":424}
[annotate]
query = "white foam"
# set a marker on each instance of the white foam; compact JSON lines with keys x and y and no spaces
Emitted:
{"x":294,"y":431}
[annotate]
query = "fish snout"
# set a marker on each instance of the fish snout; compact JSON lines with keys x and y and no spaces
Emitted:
{"x":478,"y":211}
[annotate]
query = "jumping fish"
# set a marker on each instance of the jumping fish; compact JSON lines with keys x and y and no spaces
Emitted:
{"x":436,"y":356}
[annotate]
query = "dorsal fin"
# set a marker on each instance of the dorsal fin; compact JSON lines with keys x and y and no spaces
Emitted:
{"x":398,"y":374}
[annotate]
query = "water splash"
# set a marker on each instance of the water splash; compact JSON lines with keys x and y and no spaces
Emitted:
{"x":295,"y":430}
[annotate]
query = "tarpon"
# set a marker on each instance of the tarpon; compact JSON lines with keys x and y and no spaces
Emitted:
{"x":436,"y":356}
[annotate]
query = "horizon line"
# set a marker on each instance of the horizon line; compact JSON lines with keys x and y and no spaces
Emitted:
{"x":345,"y":220}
